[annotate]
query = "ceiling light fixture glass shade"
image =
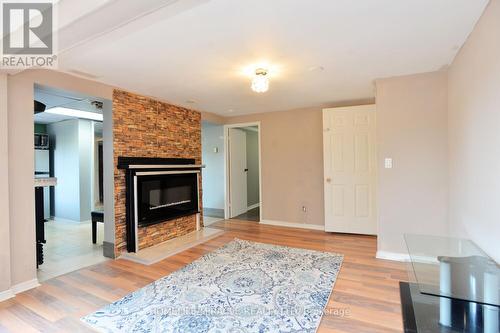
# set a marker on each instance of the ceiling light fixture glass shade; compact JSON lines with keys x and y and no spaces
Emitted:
{"x":260,"y":82}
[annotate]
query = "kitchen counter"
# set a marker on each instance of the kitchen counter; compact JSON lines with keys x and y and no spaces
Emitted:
{"x":45,"y":181}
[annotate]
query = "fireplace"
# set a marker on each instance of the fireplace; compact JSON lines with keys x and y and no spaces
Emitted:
{"x":165,"y":195}
{"x":158,"y":190}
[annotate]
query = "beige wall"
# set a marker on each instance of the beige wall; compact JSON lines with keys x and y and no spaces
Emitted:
{"x":412,"y":130}
{"x":21,"y":161}
{"x":4,"y":190}
{"x":474,"y":128}
{"x":292,"y":164}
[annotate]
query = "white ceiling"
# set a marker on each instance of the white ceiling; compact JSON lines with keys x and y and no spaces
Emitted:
{"x":198,"y":50}
{"x":53,"y":97}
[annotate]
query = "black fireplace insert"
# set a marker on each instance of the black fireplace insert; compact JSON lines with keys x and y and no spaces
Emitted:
{"x":165,"y":195}
{"x":158,"y":190}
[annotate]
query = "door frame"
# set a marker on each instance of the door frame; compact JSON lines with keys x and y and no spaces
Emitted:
{"x":226,"y":165}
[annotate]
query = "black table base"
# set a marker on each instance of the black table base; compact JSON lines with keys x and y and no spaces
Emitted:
{"x":421,"y":313}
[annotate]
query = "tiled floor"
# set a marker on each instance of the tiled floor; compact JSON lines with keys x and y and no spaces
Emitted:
{"x":251,"y":215}
{"x":69,"y":247}
{"x":212,"y":215}
{"x":208,"y":220}
{"x":213,"y":212}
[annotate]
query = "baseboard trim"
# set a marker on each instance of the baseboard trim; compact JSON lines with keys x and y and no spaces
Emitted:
{"x":253,"y":206}
{"x":394,"y":256}
{"x":23,"y":286}
{"x":18,"y":288}
{"x":293,"y":225}
{"x":6,"y":294}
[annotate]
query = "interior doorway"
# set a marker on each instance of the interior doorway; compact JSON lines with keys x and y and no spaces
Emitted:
{"x":243,"y":172}
{"x":69,"y":169}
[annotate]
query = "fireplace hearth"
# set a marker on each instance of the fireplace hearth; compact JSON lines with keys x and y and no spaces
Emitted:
{"x":158,"y":190}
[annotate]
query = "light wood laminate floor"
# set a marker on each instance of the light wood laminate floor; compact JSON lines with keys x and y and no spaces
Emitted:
{"x":366,"y":290}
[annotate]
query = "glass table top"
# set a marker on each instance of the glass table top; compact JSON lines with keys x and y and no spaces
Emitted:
{"x":454,"y":268}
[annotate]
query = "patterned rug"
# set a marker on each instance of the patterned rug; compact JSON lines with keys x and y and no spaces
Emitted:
{"x":241,"y":287}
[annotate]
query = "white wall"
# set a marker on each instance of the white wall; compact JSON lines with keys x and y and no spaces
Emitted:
{"x":86,"y":150}
{"x":474,"y":135}
{"x":64,"y":139}
{"x":212,"y":136}
{"x":73,"y":150}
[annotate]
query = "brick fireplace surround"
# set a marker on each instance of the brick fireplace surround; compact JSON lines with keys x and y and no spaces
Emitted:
{"x":144,"y":127}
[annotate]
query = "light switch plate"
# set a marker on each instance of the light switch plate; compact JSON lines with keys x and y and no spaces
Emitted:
{"x":388,"y":163}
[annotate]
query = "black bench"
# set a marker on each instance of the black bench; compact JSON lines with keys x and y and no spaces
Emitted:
{"x":97,"y":216}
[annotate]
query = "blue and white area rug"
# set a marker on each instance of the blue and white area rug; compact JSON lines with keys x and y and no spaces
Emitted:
{"x":241,"y":287}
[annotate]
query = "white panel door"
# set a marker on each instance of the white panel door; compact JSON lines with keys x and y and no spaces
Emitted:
{"x":237,"y":172}
{"x":349,"y":154}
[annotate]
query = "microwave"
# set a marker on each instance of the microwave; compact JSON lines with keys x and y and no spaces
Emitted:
{"x":41,"y":141}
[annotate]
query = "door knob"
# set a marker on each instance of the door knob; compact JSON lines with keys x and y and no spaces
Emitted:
{"x":328,"y":180}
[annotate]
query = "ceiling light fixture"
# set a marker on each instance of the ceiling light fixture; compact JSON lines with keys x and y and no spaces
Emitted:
{"x":260,"y":82}
{"x":75,"y":113}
